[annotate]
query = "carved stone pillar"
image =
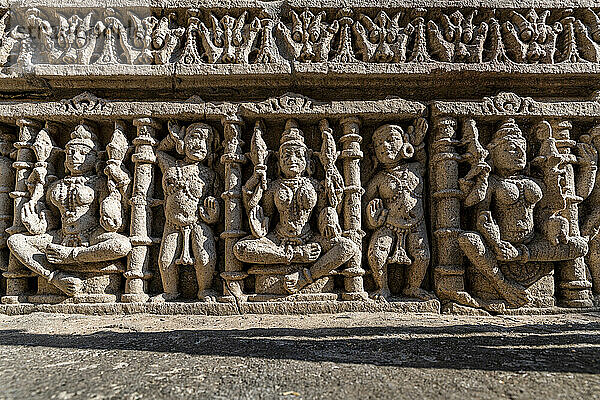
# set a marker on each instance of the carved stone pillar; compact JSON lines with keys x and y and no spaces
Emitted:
{"x":16,"y":276}
{"x":351,"y":156}
{"x":574,"y":287}
{"x":137,"y":274}
{"x":232,"y":159}
{"x":449,"y":273}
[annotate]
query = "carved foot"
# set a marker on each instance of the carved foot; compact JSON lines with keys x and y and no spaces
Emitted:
{"x":207,"y":296}
{"x":58,"y":254}
{"x":418,"y":293}
{"x":69,"y":284}
{"x":163,"y":297}
{"x":382,"y":294}
{"x":462,"y":298}
{"x":297,"y":280}
{"x":307,"y":253}
{"x":514,"y":294}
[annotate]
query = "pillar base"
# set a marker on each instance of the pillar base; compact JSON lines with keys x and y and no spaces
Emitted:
{"x":134,"y":298}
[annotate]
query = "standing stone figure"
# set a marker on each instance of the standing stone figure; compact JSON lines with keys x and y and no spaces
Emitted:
{"x":519,"y":222}
{"x":292,"y":198}
{"x":81,"y":238}
{"x":190,"y":207}
{"x":394,"y":209}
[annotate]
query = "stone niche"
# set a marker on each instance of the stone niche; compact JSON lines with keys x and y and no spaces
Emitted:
{"x":294,"y":157}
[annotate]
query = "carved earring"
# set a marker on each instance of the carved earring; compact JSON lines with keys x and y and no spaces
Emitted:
{"x":407,"y":150}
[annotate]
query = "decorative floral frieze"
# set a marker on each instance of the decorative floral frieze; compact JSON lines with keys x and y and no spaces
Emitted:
{"x":417,"y":35}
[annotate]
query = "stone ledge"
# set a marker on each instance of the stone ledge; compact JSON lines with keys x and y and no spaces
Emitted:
{"x":196,"y":308}
{"x":272,"y":308}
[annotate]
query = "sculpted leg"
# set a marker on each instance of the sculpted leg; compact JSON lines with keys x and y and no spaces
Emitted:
{"x":337,"y":256}
{"x":260,"y":251}
{"x":484,"y":261}
{"x":105,"y":246}
{"x":543,"y":250}
{"x":205,"y":256}
{"x":593,"y":262}
{"x":30,"y":251}
{"x":380,"y":247}
{"x":418,"y":248}
{"x":169,"y":272}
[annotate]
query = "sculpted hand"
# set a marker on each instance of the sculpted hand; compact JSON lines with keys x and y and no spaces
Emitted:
{"x":58,"y":254}
{"x":376,"y":213}
{"x":588,"y":155}
{"x":34,"y":221}
{"x":419,"y":132}
{"x":212,"y":208}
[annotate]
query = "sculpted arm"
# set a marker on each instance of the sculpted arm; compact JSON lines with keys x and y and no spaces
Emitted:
{"x":164,"y":159}
{"x":211,"y":209}
{"x":586,"y":178}
{"x":375,"y":213}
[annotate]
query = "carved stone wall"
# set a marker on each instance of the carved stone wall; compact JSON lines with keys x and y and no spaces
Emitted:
{"x":299,"y":156}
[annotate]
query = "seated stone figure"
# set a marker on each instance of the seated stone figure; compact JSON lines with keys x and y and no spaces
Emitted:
{"x":511,"y":205}
{"x":82,"y":237}
{"x":292,"y":197}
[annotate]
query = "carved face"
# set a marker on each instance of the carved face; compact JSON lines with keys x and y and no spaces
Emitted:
{"x":197,"y":143}
{"x":292,"y":160}
{"x":388,"y":145}
{"x":80,"y":159}
{"x":510,"y":154}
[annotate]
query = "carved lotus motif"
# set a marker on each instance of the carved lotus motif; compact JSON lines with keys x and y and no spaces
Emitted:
{"x":529,"y":39}
{"x":309,"y":38}
{"x":382,"y":39}
{"x":458,"y":40}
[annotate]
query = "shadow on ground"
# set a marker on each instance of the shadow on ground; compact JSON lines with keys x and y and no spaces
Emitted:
{"x":569,"y":347}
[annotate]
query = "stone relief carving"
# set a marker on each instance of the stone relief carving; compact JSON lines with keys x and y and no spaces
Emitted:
{"x":72,"y":249}
{"x":459,"y":40}
{"x":419,"y":35}
{"x":309,"y":37}
{"x":394,"y":208}
{"x":298,"y":255}
{"x":509,"y":243}
{"x":512,"y":183}
{"x":190,"y":187}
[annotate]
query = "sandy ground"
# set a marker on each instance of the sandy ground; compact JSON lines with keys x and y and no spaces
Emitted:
{"x":343,"y":356}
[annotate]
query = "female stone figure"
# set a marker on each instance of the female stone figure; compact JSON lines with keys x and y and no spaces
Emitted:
{"x":506,"y":220}
{"x":190,"y":207}
{"x":293,"y":197}
{"x":394,"y":209}
{"x":81,"y":238}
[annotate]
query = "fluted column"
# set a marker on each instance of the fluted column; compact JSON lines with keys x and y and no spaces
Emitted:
{"x":351,"y":156}
{"x":449,"y":273}
{"x":144,"y":158}
{"x":16,"y":276}
{"x":232,"y":159}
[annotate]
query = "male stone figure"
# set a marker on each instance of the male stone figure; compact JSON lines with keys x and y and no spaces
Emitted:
{"x":190,"y":206}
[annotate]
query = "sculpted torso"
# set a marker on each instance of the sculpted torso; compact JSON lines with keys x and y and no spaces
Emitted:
{"x":76,"y":199}
{"x":294,"y":200}
{"x":185,"y":188}
{"x":513,"y":201}
{"x":401,"y":189}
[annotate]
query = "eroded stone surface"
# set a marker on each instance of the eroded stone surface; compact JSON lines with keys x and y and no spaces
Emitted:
{"x":217,"y":184}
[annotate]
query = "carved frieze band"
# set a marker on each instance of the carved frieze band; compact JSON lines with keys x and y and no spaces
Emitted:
{"x":136,"y":36}
{"x":292,"y":199}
